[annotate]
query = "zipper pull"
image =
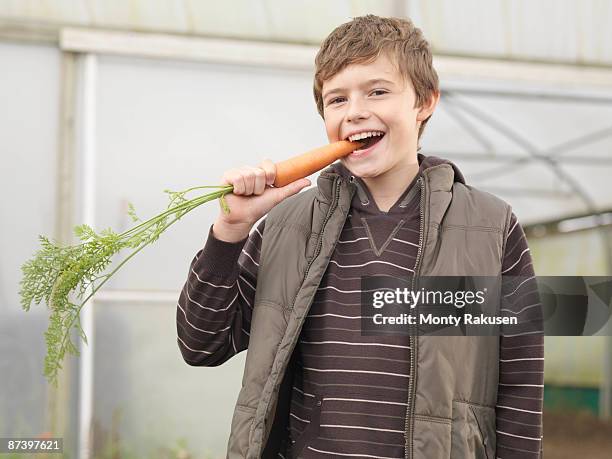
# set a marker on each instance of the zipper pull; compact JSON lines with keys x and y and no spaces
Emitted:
{"x":363,"y":197}
{"x":410,"y":194}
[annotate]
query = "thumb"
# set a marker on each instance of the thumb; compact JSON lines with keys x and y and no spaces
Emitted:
{"x":292,"y":188}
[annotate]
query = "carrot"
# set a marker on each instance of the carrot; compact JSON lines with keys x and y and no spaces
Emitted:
{"x":56,"y":271}
{"x":303,"y":165}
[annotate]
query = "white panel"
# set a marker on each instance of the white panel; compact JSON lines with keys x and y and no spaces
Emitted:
{"x":595,"y":34}
{"x":456,"y":30}
{"x":164,"y":15}
{"x":544,"y":18}
{"x":246,"y":16}
{"x":29,"y":118}
{"x":29,"y":108}
{"x":63,"y":11}
{"x":548,"y":30}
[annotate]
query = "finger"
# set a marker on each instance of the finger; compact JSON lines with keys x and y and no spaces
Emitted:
{"x":226,"y":179}
{"x":260,"y":180}
{"x":284,"y":192}
{"x":270,"y":168}
{"x":235,"y":178}
{"x":249,"y":179}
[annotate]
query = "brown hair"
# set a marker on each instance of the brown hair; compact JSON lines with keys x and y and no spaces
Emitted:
{"x":365,"y":38}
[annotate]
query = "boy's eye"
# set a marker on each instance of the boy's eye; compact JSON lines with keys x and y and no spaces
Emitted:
{"x":336,"y":100}
{"x":333,"y":101}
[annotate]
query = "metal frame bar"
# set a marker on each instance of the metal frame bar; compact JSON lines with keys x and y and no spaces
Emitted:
{"x":551,"y":225}
{"x":528,"y":147}
{"x":58,"y":416}
{"x":87,"y":205}
{"x":301,"y":57}
{"x":467,"y":124}
{"x":551,"y":155}
{"x":189,"y":48}
{"x":539,"y":96}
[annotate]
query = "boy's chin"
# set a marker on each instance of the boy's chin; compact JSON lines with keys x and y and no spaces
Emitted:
{"x":359,"y":170}
{"x":350,"y":167}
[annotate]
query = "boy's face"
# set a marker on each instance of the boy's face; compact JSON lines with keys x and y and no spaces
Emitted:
{"x":353,"y":103}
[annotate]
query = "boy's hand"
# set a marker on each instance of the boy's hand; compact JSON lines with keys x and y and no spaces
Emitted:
{"x":252,"y":198}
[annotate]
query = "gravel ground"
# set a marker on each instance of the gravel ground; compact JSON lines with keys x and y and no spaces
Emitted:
{"x":571,"y":435}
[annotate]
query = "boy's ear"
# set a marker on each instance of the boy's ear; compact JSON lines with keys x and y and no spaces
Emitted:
{"x":428,"y":108}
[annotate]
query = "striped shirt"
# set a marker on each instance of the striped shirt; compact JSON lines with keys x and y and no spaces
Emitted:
{"x":354,"y":387}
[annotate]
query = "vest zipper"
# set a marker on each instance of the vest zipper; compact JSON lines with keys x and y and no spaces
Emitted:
{"x":409,"y":426}
{"x":332,"y":207}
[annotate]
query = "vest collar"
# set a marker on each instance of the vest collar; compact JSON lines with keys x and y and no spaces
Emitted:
{"x":440,"y":175}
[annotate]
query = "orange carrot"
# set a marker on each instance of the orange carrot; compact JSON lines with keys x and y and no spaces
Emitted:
{"x":303,"y":165}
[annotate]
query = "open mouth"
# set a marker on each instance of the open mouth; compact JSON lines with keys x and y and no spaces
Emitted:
{"x":367,"y":139}
{"x":369,"y":142}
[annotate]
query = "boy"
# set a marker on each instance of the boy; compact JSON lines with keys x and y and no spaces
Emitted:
{"x":313,"y":386}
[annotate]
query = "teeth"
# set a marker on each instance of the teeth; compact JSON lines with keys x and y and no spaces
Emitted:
{"x":364,"y":135}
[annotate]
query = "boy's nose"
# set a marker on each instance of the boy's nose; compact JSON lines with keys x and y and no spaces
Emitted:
{"x":354,"y":115}
{"x":357,"y":109}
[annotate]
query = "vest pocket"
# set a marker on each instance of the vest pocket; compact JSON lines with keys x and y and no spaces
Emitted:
{"x":311,"y":432}
{"x":432,"y":437}
{"x":473,"y":431}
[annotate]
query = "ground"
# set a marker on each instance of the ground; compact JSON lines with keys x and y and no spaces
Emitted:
{"x":570,"y":435}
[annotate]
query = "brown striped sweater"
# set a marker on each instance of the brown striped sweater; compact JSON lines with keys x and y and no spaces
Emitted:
{"x":363,"y":379}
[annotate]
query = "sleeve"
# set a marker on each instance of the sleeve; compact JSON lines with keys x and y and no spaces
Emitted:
{"x":213,"y":315}
{"x":521,"y":362}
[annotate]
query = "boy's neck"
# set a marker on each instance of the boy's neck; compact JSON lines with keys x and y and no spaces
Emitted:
{"x":388,"y":187}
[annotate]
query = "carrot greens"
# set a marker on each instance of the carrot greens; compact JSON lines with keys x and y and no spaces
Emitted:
{"x":56,"y":271}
